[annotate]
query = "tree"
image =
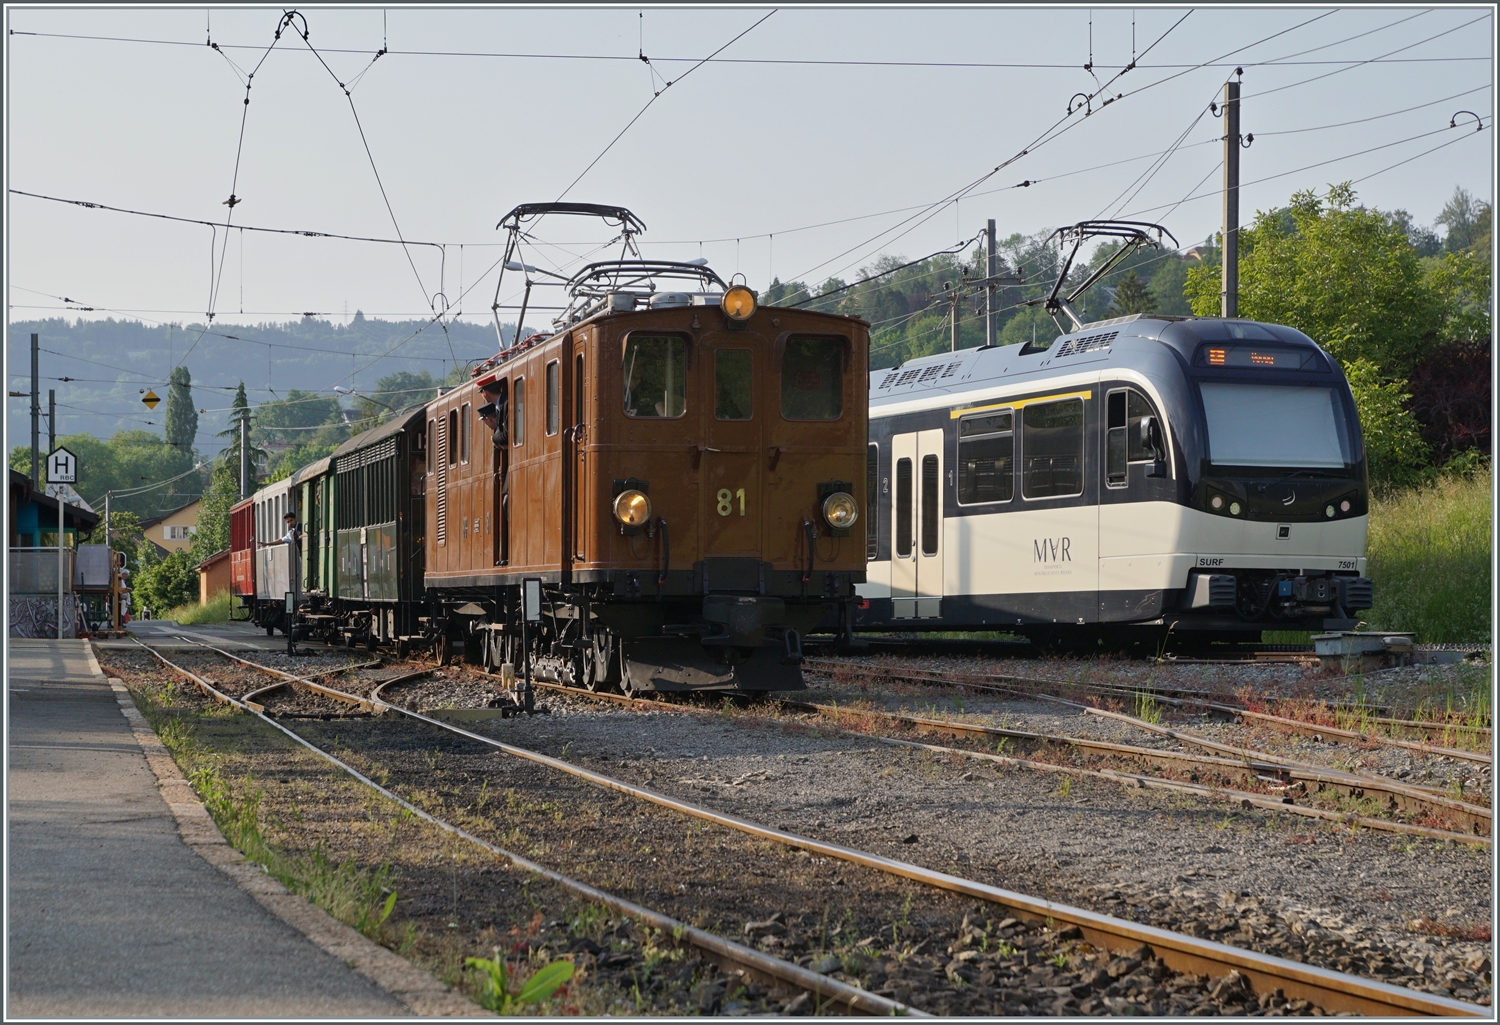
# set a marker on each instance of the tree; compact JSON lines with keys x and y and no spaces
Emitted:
{"x":223,"y":492}
{"x":161,"y":584}
{"x":240,"y":408}
{"x":290,"y":419}
{"x":127,"y":462}
{"x":1346,"y":276}
{"x":182,"y":417}
{"x":1464,"y":217}
{"x":1393,"y":442}
{"x":398,"y":391}
{"x":1131,"y":296}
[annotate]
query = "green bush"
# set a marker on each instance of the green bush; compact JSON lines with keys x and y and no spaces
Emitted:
{"x":1429,"y":553}
{"x":216,"y":611}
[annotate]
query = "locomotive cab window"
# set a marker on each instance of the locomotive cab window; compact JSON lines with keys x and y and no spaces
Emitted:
{"x":1052,"y":449}
{"x":1124,"y":444}
{"x":463,"y":435}
{"x":431,"y":444}
{"x":552,"y":397}
{"x":986,"y":458}
{"x":655,"y":376}
{"x":518,"y":408}
{"x":452,"y":437}
{"x":812,"y":379}
{"x":732,"y":384}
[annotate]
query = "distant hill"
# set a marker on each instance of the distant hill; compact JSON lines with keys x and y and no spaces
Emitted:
{"x":111,"y":362}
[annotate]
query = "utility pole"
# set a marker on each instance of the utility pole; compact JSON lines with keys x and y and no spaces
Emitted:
{"x":1231,"y":268}
{"x":954,"y":298}
{"x":36,"y":412}
{"x":989,"y":289}
{"x":51,"y":419}
{"x":245,"y":454}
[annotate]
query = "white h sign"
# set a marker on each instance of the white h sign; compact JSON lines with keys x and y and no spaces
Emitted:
{"x":62,"y":467}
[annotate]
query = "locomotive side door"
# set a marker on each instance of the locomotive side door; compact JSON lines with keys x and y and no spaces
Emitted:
{"x":916,"y":520}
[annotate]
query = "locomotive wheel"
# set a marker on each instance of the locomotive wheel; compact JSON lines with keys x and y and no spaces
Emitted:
{"x":271,"y":630}
{"x":592,"y":666}
{"x":444,"y":649}
{"x":403,"y":648}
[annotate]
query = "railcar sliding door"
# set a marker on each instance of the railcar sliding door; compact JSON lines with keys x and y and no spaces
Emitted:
{"x":916,"y":521}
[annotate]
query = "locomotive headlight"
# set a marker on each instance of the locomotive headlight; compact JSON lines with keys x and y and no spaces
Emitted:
{"x":738,"y":303}
{"x":632,"y":508}
{"x":840,"y":510}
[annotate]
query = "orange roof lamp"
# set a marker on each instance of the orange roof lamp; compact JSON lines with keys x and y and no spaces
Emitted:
{"x":738,"y":304}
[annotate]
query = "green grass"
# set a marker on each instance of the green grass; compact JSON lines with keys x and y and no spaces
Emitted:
{"x":216,"y":611}
{"x":1429,"y":557}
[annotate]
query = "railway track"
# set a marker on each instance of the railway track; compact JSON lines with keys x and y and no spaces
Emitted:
{"x":829,"y":993}
{"x":1037,"y":688}
{"x":1332,"y":991}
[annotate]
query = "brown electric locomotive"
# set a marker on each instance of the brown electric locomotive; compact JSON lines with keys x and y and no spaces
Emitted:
{"x":681,"y":469}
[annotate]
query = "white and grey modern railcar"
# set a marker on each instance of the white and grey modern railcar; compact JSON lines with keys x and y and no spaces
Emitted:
{"x":1137,"y":475}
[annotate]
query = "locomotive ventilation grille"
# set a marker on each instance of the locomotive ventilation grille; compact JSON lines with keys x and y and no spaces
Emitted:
{"x":919,"y":375}
{"x":1090,"y":343}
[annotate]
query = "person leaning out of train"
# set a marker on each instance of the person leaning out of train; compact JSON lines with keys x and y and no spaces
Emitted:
{"x":291,"y":537}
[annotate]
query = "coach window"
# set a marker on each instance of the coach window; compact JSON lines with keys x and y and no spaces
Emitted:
{"x":655,"y":376}
{"x":872,"y":491}
{"x":986,"y":458}
{"x":812,"y":379}
{"x":518,"y":405}
{"x":1052,"y":449}
{"x":732,"y":384}
{"x":452,"y":437}
{"x":552,"y":395}
{"x":463,"y":435}
{"x":903,"y":508}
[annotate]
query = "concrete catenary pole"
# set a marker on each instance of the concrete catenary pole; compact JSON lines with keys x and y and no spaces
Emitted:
{"x":1231,"y":268}
{"x":36,"y":412}
{"x":51,"y":420}
{"x":990,"y":312}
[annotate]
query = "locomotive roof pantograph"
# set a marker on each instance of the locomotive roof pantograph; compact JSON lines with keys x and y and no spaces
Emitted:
{"x":605,"y":286}
{"x":1136,"y":234}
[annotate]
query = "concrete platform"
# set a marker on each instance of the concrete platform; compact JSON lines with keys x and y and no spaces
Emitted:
{"x":111,"y":914}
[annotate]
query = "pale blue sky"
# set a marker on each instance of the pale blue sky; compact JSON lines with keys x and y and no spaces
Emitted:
{"x":735,"y":150}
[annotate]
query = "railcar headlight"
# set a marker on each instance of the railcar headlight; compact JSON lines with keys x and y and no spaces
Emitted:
{"x":738,"y":303}
{"x":1217,"y":502}
{"x":1234,"y":508}
{"x":1328,"y":511}
{"x":1344,"y":505}
{"x":840,"y":510}
{"x":632,"y":508}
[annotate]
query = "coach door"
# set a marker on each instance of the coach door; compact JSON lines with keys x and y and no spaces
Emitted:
{"x":917,"y":525}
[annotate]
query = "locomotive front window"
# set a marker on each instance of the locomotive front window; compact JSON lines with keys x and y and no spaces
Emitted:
{"x":812,"y":379}
{"x":986,"y":458}
{"x":1275,"y":425}
{"x":1052,"y":449}
{"x":655,"y":376}
{"x":518,"y":424}
{"x":732,"y":384}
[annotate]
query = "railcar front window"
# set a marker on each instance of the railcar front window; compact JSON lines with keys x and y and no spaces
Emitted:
{"x":1052,"y":449}
{"x":1275,"y":425}
{"x":655,"y":376}
{"x":812,"y":379}
{"x":732,"y":384}
{"x":986,"y":458}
